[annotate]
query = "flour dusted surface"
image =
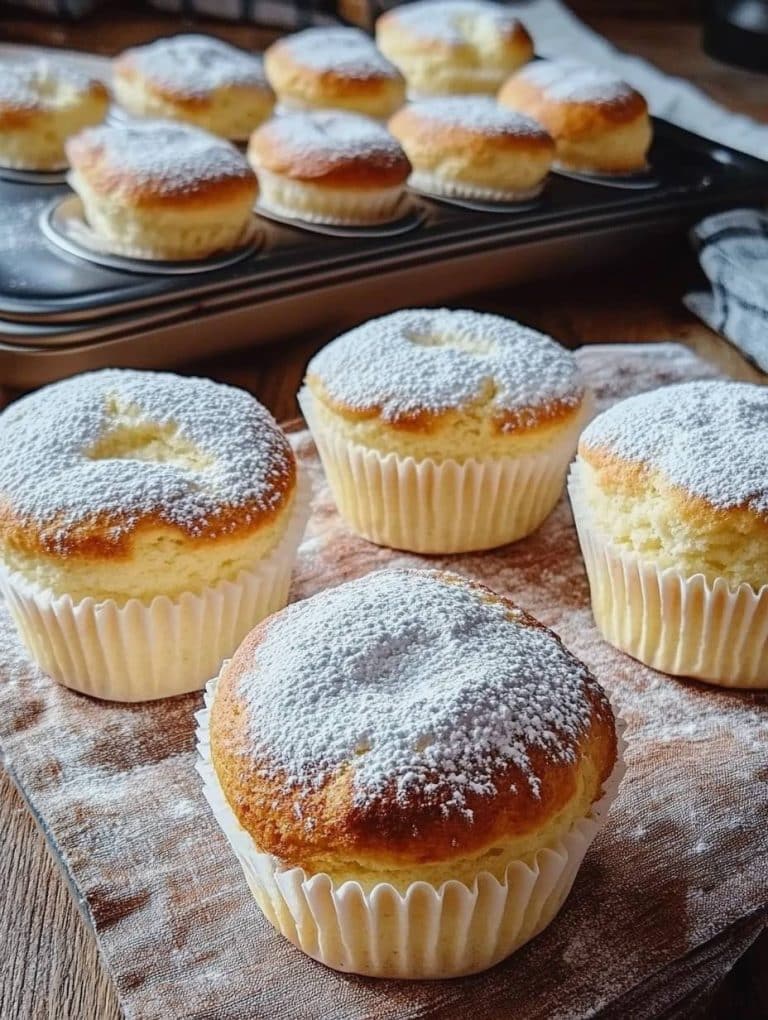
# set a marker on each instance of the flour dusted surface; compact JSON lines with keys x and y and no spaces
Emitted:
{"x":573,"y":82}
{"x":169,"y":157}
{"x":420,"y":684}
{"x":341,"y":51}
{"x":477,"y":113}
{"x":197,"y":65}
{"x":436,"y":360}
{"x":233,"y":453}
{"x":333,"y":137}
{"x":711,"y":438}
{"x":449,"y":21}
{"x":39,"y":85}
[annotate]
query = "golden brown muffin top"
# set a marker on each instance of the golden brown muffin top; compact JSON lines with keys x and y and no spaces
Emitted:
{"x":455,"y":25}
{"x":476,"y":123}
{"x":406,"y":717}
{"x":189,"y":69}
{"x":27,"y":89}
{"x":708,"y":441}
{"x":571,"y":99}
{"x":88,"y":462}
{"x":414,"y":368}
{"x":331,"y":147}
{"x":160,"y":163}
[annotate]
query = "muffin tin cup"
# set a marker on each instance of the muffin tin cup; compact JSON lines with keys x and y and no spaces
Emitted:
{"x":139,"y":652}
{"x":423,"y":932}
{"x":678,"y":624}
{"x":426,"y":506}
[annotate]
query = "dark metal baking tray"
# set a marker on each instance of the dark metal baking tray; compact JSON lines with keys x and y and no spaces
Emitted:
{"x":79,"y":313}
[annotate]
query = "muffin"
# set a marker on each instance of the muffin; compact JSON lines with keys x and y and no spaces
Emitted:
{"x":329,"y":167}
{"x":470,"y":147}
{"x":444,"y":431}
{"x":147,"y":522}
{"x":445,"y":47}
{"x":334,"y":68}
{"x":599,"y":123}
{"x":163,"y":190}
{"x":430,"y":816}
{"x":670,"y":498}
{"x":198,"y":79}
{"x":41,"y":105}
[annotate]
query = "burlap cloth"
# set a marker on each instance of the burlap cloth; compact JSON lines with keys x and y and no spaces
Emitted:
{"x":672,"y":892}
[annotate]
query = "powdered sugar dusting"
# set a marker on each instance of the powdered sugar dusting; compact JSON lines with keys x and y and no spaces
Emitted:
{"x":709,"y":437}
{"x":50,"y":475}
{"x":450,"y":20}
{"x":32,"y":85}
{"x":168,"y":156}
{"x":477,"y":113}
{"x":436,"y":360}
{"x":343,"y":51}
{"x":420,"y":685}
{"x":333,"y":136}
{"x":197,"y":65}
{"x":573,"y":82}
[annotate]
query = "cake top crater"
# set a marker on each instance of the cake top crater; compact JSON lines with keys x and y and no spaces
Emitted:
{"x":346,"y":52}
{"x":422,"y":683}
{"x":194,"y":66}
{"x":109,"y":449}
{"x":42,"y":84}
{"x":710,"y":438}
{"x":430,"y":361}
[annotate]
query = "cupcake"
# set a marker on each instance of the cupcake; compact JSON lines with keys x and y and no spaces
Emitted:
{"x":670,"y":499}
{"x":162,"y":190}
{"x":410,"y":770}
{"x":334,"y":68}
{"x":444,"y":431}
{"x":447,"y":47}
{"x":329,"y":167}
{"x":147,"y":522}
{"x":470,"y":147}
{"x":41,"y":105}
{"x":198,"y":79}
{"x":599,"y":123}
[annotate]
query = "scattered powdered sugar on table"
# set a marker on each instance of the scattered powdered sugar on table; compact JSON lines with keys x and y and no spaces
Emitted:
{"x":341,"y":51}
{"x":233,"y":453}
{"x":35,"y":85}
{"x":476,"y":113}
{"x":453,"y":21}
{"x":196,"y":65}
{"x":711,"y":438}
{"x":421,"y":684}
{"x":573,"y":82}
{"x":170,"y":157}
{"x":333,"y":136}
{"x":435,"y":360}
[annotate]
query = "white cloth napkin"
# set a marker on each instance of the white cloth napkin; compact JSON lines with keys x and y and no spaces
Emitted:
{"x":733,"y":252}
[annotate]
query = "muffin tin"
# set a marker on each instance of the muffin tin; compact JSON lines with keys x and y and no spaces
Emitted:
{"x":60,"y":313}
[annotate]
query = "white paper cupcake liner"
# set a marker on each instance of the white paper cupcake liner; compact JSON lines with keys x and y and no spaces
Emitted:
{"x":426,"y":506}
{"x":140,"y":652}
{"x":433,"y":184}
{"x":424,"y":932}
{"x":313,"y":203}
{"x":677,"y":624}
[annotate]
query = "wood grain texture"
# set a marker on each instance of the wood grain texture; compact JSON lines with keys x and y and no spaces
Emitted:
{"x":49,"y":967}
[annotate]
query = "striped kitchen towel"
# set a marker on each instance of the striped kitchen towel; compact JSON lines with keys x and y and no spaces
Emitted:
{"x":733,"y":252}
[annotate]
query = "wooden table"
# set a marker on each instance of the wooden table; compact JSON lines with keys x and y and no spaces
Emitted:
{"x":49,"y":966}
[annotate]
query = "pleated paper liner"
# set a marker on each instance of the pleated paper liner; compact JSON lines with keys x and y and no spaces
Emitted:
{"x":408,"y":216}
{"x":477,"y":199}
{"x":681,"y":625}
{"x":427,"y":506}
{"x":139,"y":652}
{"x":424,"y":932}
{"x":63,"y":223}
